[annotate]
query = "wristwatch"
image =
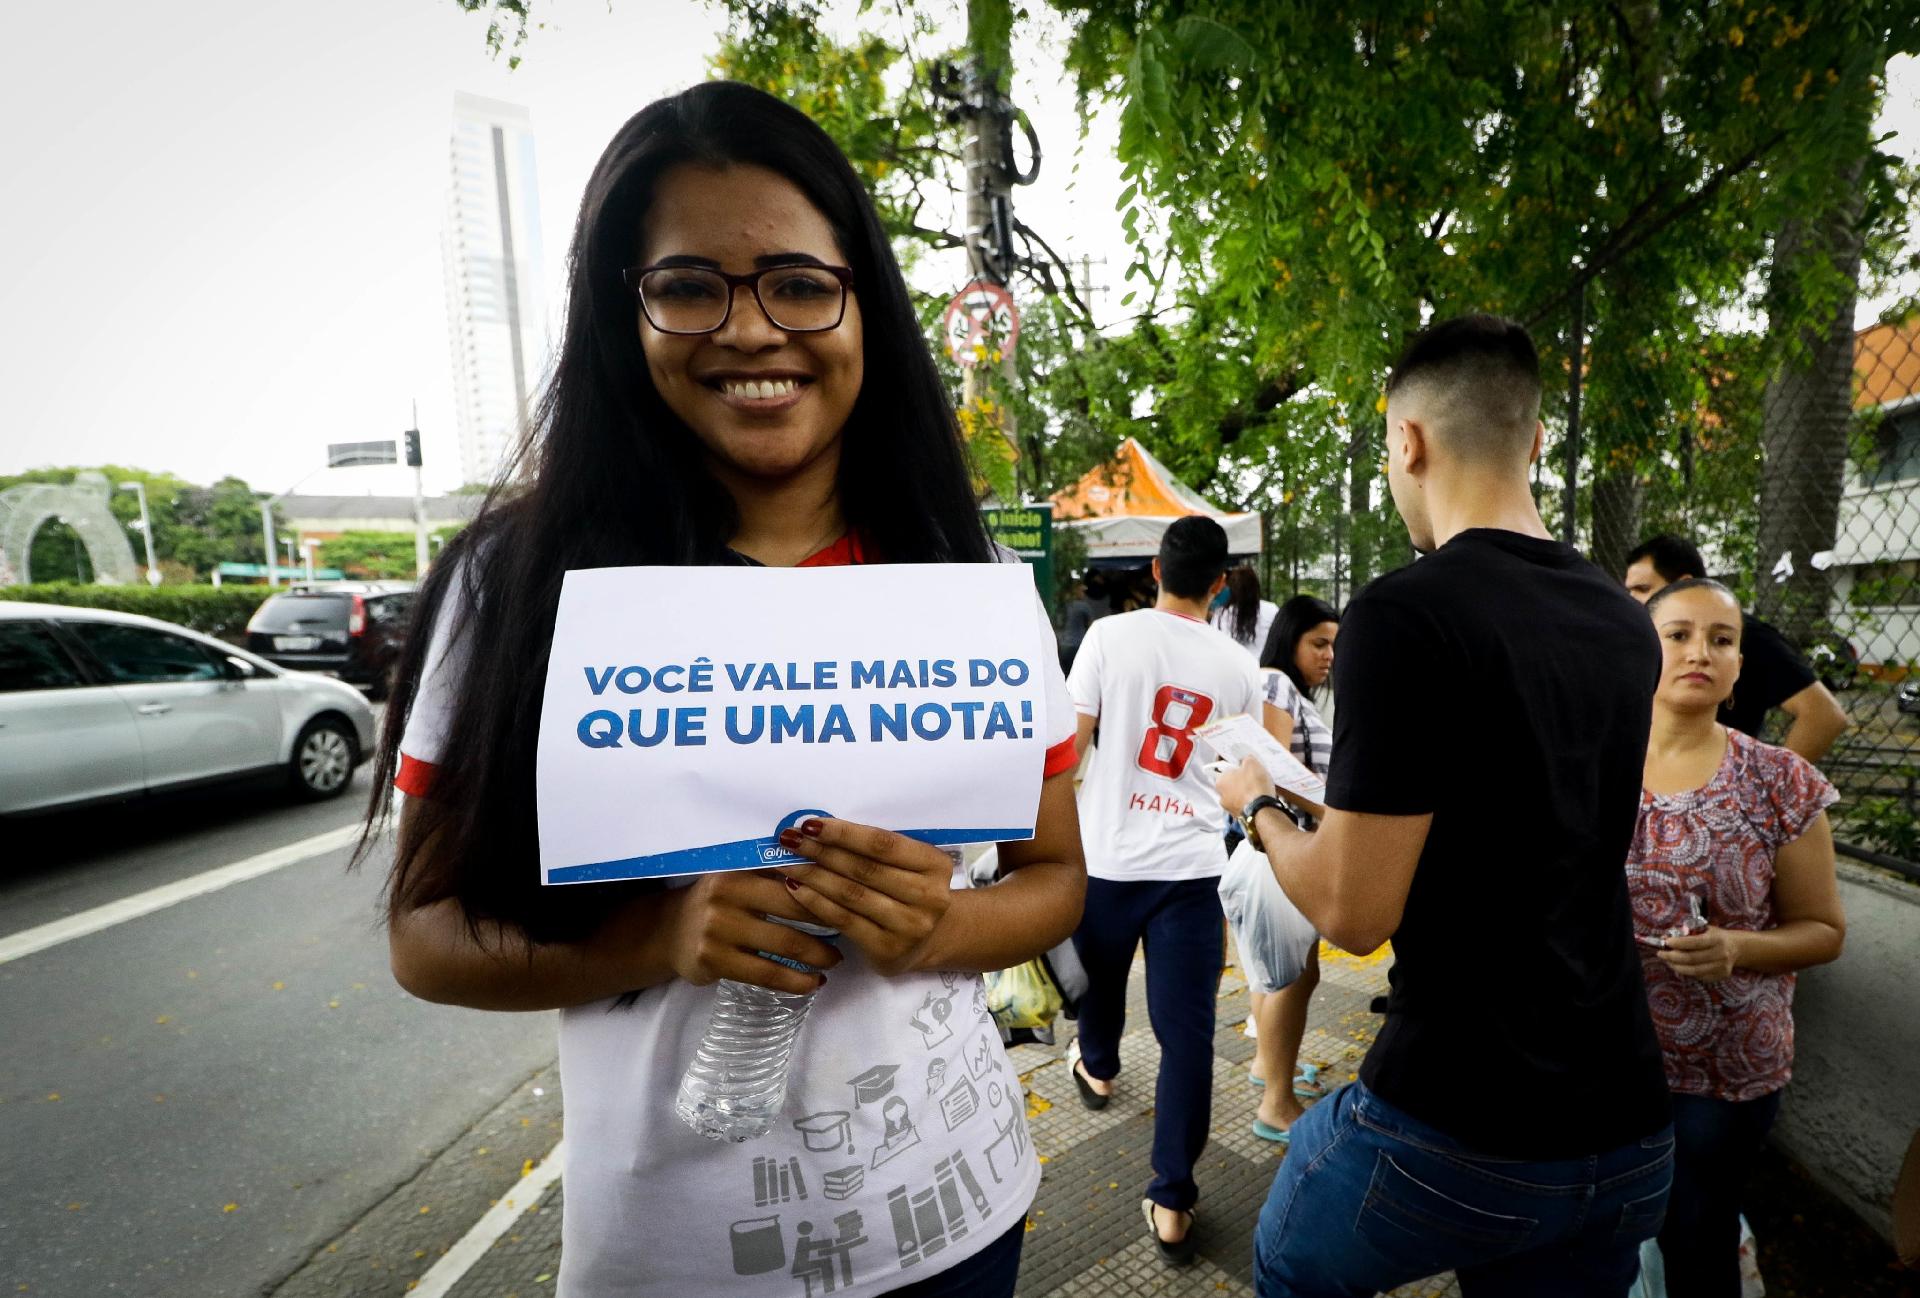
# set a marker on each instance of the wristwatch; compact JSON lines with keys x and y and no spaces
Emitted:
{"x":1254,"y":808}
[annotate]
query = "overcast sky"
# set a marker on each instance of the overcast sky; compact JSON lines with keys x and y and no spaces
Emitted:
{"x":224,"y":218}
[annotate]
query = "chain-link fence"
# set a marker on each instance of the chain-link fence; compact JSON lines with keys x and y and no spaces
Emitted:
{"x":1796,"y":472}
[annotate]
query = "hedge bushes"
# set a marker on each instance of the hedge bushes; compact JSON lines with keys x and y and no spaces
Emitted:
{"x":211,"y":610}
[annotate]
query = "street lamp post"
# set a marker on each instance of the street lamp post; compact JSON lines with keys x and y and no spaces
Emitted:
{"x":139,"y":489}
{"x":309,"y":545}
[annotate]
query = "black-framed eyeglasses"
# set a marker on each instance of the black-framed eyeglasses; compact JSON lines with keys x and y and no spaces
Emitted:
{"x":804,"y":299}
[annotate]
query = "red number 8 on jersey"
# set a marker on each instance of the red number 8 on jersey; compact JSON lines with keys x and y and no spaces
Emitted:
{"x":1168,"y":743}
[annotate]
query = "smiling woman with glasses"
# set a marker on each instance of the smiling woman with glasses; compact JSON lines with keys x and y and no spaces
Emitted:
{"x":742,"y":380}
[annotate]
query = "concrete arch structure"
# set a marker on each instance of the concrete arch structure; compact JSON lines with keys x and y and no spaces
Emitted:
{"x":81,"y":505}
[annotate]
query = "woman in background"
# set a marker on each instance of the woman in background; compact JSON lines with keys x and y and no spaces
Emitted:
{"x":1242,"y":613}
{"x":1732,"y":880}
{"x":1297,"y":656}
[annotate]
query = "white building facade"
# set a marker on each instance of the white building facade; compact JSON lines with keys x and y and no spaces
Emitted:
{"x":1876,"y":551}
{"x":496,"y":320}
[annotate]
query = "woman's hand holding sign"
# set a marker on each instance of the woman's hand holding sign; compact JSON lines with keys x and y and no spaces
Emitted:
{"x":886,"y":893}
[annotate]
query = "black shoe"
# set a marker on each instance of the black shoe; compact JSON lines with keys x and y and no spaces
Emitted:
{"x":1178,"y":1253}
{"x":1088,"y":1096}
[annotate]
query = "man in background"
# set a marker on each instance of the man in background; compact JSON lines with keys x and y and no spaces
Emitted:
{"x":1152,"y":828}
{"x":1511,"y":1122}
{"x":1772,"y":672}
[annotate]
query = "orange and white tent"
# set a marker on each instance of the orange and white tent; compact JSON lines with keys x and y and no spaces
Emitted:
{"x":1122,"y":508}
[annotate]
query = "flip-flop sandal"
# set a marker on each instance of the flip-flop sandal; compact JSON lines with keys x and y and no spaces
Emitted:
{"x":1178,"y":1253}
{"x":1307,"y":1084}
{"x":1276,"y":1135}
{"x":1256,"y":1079}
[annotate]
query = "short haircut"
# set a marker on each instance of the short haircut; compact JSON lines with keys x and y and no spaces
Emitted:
{"x":1476,"y":380}
{"x":1673,"y":557}
{"x":1668,"y":591}
{"x":1193,"y":554}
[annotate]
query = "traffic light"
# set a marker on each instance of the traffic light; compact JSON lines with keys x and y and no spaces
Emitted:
{"x":413,"y":447}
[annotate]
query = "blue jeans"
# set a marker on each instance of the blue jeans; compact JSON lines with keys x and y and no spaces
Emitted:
{"x":990,"y":1273}
{"x":1369,"y":1199}
{"x":1180,"y":922}
{"x":1717,"y":1144}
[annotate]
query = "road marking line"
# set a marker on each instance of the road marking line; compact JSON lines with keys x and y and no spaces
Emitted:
{"x":473,"y":1245}
{"x":28,"y":941}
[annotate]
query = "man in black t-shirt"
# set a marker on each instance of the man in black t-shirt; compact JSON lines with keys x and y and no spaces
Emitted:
{"x":1772,"y":672}
{"x":1511,"y":1122}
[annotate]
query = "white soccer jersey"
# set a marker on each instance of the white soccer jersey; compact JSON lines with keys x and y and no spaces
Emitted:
{"x":1147,"y":807}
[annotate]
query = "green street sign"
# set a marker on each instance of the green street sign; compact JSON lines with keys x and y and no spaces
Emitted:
{"x":1028,"y":532}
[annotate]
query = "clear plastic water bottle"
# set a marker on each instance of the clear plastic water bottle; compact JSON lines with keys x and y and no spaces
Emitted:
{"x":737,"y":1083}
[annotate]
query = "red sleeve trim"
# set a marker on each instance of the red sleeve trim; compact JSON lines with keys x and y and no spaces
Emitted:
{"x":416,"y":778}
{"x":1063,"y":756}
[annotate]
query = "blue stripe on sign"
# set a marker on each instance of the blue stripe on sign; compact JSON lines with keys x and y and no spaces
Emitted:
{"x":746,"y":854}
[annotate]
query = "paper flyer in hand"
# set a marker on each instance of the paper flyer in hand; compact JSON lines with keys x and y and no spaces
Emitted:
{"x":1239,"y":737}
{"x":690,"y":714}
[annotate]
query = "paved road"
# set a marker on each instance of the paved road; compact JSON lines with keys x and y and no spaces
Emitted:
{"x":195,"y":1100}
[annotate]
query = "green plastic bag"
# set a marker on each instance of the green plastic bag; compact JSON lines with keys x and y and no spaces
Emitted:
{"x":1024,"y":996}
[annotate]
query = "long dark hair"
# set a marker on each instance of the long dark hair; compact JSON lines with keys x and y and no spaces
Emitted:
{"x":611,"y":477}
{"x":1243,"y":604}
{"x":1296,"y":617}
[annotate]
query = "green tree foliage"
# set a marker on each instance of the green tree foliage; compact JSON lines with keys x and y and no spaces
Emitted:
{"x":376,"y":555}
{"x":1305,"y":184}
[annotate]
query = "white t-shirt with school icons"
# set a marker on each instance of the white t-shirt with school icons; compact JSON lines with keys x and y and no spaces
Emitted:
{"x":1148,"y":810}
{"x":902,"y":1149}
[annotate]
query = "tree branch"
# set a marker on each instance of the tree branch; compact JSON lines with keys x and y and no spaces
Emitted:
{"x":1066,"y":288}
{"x":1638,"y":227}
{"x":1275,"y":394}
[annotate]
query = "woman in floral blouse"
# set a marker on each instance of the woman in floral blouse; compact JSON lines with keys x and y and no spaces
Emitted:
{"x":1733,"y":889}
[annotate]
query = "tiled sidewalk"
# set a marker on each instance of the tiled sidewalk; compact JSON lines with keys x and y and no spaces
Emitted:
{"x":1085,"y":1236}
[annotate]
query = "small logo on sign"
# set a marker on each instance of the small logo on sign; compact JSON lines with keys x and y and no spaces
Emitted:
{"x":769,"y":850}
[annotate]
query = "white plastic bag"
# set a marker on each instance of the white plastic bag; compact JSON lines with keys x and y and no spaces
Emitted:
{"x":1274,"y":938}
{"x":1653,"y":1270}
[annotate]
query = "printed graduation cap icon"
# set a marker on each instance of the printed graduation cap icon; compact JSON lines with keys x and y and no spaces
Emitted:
{"x":822,"y":1132}
{"x":871,"y":1085}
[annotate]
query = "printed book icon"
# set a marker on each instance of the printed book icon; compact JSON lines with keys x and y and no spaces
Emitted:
{"x":757,"y":1246}
{"x":843,"y":1183}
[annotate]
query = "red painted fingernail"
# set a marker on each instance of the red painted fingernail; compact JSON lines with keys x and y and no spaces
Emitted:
{"x":789,"y":840}
{"x":793,"y":884}
{"x":811,"y":828}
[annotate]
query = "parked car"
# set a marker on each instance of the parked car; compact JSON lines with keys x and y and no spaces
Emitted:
{"x":1908,"y":697}
{"x":353,"y":630}
{"x":98,"y":706}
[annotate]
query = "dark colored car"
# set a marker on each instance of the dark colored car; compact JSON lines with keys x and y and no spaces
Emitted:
{"x":353,"y":630}
{"x":1908,"y":699}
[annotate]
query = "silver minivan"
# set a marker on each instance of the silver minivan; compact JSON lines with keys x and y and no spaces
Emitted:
{"x":97,"y":706}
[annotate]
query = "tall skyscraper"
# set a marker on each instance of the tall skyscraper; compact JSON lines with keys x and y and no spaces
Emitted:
{"x":491,"y":247}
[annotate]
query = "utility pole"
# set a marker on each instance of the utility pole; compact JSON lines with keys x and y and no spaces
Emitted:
{"x":266,"y":532}
{"x":979,"y":103}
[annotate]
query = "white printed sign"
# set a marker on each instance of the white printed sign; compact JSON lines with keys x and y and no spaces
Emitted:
{"x":1240,"y":737}
{"x":691,"y":714}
